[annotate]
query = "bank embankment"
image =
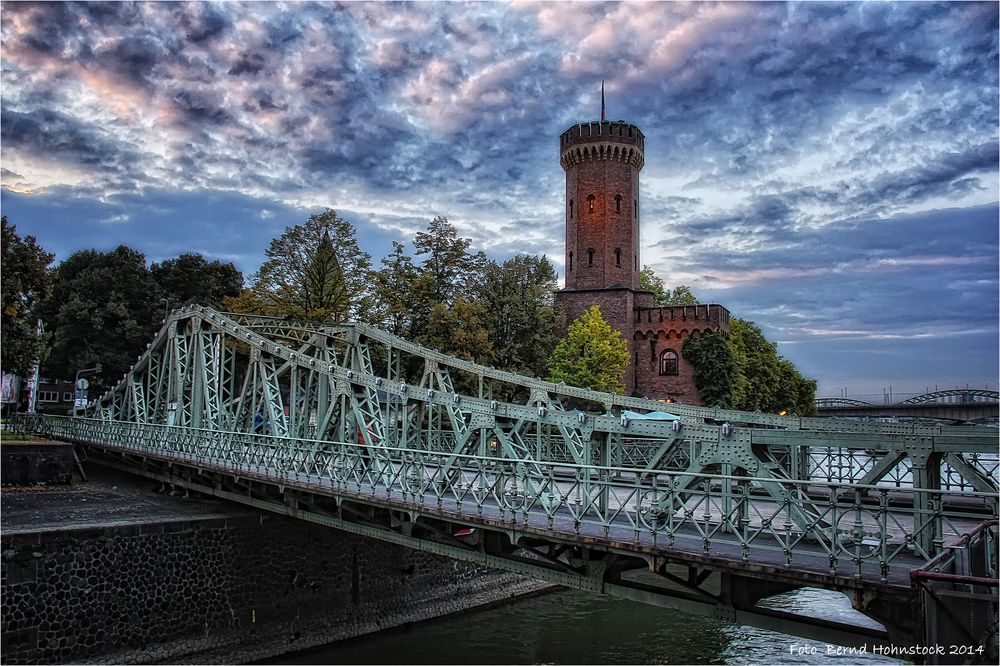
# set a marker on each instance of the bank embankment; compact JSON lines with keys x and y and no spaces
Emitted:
{"x":113,"y":571}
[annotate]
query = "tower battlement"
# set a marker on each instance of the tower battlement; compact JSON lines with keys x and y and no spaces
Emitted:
{"x":602,"y":140}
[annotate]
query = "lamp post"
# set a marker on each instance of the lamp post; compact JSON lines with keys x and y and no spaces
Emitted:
{"x":166,"y":306}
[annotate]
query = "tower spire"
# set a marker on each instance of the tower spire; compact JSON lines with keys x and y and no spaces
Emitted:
{"x":602,"y":100}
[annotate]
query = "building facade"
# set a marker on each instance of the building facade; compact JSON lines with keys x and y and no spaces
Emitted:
{"x":602,"y":161}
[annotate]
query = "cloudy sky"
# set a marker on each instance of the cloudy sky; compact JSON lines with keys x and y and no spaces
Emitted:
{"x":827,"y":170}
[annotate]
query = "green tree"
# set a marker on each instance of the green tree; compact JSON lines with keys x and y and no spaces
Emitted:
{"x":517,"y":303}
{"x":457,"y":329}
{"x":393,"y":287}
{"x":190,"y":278}
{"x":715,"y":368}
{"x":663,"y":297}
{"x":592,"y":354}
{"x":757,"y":359}
{"x":650,"y":281}
{"x":103,"y":308}
{"x":26,"y":281}
{"x":681,"y":295}
{"x":447,"y":270}
{"x":314,"y":271}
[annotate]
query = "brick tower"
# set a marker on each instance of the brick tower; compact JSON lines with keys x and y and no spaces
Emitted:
{"x":602,"y":161}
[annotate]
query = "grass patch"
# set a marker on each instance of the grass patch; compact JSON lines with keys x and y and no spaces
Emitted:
{"x":6,"y":436}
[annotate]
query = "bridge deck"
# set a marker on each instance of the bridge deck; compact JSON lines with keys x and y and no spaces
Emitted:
{"x":792,"y":557}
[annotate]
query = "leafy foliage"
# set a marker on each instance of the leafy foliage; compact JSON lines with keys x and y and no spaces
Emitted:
{"x":314,"y":271}
{"x":457,"y":329}
{"x":715,"y":368}
{"x":518,"y":312}
{"x":103,"y":308}
{"x":190,"y":278}
{"x":592,"y":354}
{"x":663,"y":297}
{"x":392,"y":287}
{"x":25,"y":281}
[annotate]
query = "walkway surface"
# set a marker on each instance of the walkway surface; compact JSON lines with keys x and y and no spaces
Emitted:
{"x":107,"y":499}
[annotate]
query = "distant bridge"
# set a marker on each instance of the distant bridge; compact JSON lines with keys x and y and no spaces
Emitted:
{"x":703,"y":510}
{"x":958,"y":405}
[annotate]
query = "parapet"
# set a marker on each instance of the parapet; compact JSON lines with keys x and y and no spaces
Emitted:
{"x":608,"y":139}
{"x":711,"y":314}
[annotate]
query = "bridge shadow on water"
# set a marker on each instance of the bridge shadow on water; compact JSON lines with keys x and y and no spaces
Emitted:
{"x":572,"y":627}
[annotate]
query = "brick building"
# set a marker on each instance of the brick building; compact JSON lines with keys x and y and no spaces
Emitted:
{"x":602,"y":161}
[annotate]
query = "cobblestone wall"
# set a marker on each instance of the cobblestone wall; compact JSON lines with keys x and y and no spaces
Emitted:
{"x":219,"y":591}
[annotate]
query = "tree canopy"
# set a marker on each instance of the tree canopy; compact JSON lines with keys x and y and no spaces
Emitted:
{"x":593,"y":354}
{"x":26,"y":281}
{"x":314,"y":271}
{"x":190,"y":278}
{"x":103,"y":308}
{"x":517,"y":300}
{"x":663,"y":297}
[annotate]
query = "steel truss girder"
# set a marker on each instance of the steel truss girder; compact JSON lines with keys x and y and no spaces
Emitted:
{"x":326,"y":377}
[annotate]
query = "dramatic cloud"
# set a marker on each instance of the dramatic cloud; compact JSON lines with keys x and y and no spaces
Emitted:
{"x":826,"y":169}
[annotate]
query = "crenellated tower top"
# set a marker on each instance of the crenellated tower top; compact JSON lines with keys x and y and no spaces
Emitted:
{"x":602,"y":140}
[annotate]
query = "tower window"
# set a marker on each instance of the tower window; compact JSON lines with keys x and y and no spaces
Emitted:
{"x":571,"y":209}
{"x":571,"y":261}
{"x":668,"y":362}
{"x":618,"y":203}
{"x":618,"y":256}
{"x":590,"y":257}
{"x":636,"y":202}
{"x":590,"y":203}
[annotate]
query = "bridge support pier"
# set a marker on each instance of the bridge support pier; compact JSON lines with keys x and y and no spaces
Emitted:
{"x":744,"y":592}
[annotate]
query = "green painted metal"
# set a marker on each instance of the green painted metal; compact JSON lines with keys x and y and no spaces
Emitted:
{"x":351,"y":411}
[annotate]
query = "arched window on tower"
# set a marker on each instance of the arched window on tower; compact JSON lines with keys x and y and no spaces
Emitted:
{"x":571,"y":209}
{"x":668,"y":362}
{"x":636,"y":203}
{"x":590,"y":257}
{"x":571,"y":261}
{"x":618,"y":256}
{"x":618,"y":203}
{"x":590,"y":203}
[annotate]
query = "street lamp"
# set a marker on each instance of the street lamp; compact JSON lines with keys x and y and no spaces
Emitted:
{"x":166,"y":306}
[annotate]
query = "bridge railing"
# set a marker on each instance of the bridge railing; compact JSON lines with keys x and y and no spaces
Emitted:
{"x":841,"y":465}
{"x":840,"y":529}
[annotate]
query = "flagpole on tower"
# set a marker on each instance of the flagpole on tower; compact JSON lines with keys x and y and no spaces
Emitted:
{"x":602,"y":100}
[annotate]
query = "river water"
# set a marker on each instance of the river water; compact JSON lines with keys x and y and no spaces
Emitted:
{"x":572,"y":627}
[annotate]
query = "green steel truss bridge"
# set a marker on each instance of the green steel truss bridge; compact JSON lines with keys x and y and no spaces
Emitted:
{"x":704,"y":510}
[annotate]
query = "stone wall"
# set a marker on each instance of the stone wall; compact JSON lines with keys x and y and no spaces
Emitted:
{"x":26,"y":463}
{"x":225,"y":590}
